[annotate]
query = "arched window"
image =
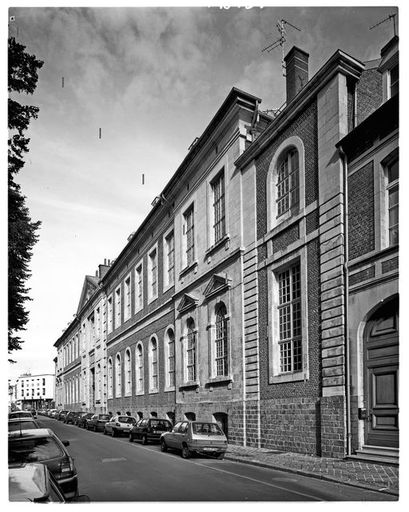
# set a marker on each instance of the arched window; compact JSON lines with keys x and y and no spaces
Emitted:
{"x":110,"y":379}
{"x":139,"y":368}
{"x":190,"y":416}
{"x":170,"y":358}
{"x":153,"y":358}
{"x":221,"y":341}
{"x":128,"y":372}
{"x":287,"y":181}
{"x":118,"y":376}
{"x":191,"y":350}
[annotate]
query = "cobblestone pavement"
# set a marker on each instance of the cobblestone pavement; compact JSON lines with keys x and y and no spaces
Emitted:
{"x":374,"y":476}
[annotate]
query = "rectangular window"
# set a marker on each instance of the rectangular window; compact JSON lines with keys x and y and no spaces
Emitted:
{"x":127,"y":298}
{"x":393,"y":202}
{"x":110,"y":314}
{"x":171,"y":372}
{"x":288,"y":182}
{"x":289,"y":320}
{"x":219,"y":210}
{"x":154,"y":381}
{"x":97,"y":322}
{"x":191,"y":356}
{"x":189,"y":234}
{"x":117,"y":307}
{"x":91,"y":321}
{"x":138,"y":287}
{"x":170,"y":259}
{"x":394,"y":81}
{"x":153,"y":274}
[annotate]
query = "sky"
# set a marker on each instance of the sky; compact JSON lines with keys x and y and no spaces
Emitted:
{"x":150,"y":79}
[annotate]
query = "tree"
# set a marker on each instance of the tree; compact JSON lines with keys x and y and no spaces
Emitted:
{"x":22,"y":78}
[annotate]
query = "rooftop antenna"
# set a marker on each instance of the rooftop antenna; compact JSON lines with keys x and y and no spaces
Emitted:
{"x":389,"y":18}
{"x":281,"y":40}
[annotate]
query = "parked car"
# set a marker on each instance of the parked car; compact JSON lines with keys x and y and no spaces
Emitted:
{"x":149,"y":429}
{"x":53,"y":413}
{"x":119,"y":425}
{"x":42,"y":445}
{"x":83,"y":418}
{"x":20,"y":414}
{"x":19,"y":424}
{"x":62,"y":415}
{"x":200,"y":437}
{"x":97,"y":422}
{"x":33,"y":482}
{"x":71,"y":417}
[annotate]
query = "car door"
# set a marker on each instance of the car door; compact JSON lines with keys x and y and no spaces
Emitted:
{"x":181,"y":435}
{"x":170,"y":437}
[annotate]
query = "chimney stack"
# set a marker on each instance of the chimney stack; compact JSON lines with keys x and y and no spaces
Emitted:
{"x":296,"y":70}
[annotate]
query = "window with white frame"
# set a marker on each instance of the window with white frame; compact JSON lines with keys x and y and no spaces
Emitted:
{"x":392,"y":190}
{"x":117,"y":307}
{"x":153,"y":274}
{"x":84,"y":337}
{"x":170,"y":367}
{"x":189,"y":236}
{"x":139,"y":368}
{"x":110,"y":379}
{"x":219,"y":208}
{"x":118,"y":376}
{"x":91,"y":322}
{"x":191,"y":350}
{"x":153,"y":359}
{"x":169,"y":273}
{"x":98,"y":322}
{"x":139,"y":287}
{"x":221,"y":341}
{"x":127,"y":298}
{"x":110,"y":314}
{"x":287,"y":181}
{"x":128,"y":372}
{"x":290,"y":320}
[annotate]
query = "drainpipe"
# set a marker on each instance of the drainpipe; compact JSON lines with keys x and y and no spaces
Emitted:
{"x":346,"y":297}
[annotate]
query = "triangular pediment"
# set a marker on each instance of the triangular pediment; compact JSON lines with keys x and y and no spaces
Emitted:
{"x":88,"y":289}
{"x":217,"y":284}
{"x":187,"y":302}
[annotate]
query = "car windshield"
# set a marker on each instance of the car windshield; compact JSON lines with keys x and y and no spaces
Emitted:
{"x":21,"y":425}
{"x":20,"y":415}
{"x":160,"y":424}
{"x":207,"y":428}
{"x":33,"y":450}
{"x":126,"y":419}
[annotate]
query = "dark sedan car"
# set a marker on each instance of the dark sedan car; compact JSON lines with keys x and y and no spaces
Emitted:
{"x":19,"y":424}
{"x":62,"y":415}
{"x":71,"y":417}
{"x":42,"y":445}
{"x":97,"y":422}
{"x":83,"y":418}
{"x":150,"y":429}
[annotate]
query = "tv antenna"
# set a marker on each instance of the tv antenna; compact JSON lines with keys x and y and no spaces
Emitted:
{"x":389,"y":18}
{"x":281,"y":40}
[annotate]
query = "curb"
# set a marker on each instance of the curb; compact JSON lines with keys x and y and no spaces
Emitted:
{"x":319,"y":476}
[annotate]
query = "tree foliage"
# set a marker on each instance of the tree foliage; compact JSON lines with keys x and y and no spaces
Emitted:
{"x":22,"y":78}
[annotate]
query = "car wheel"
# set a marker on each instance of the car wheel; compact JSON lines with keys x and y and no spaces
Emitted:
{"x":105,"y":432}
{"x":144,"y":440}
{"x":220,"y":456}
{"x":185,"y":451}
{"x":130,"y":438}
{"x":113,"y":433}
{"x":163,"y":446}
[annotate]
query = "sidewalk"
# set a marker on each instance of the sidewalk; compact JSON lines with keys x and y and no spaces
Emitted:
{"x":373,"y":476}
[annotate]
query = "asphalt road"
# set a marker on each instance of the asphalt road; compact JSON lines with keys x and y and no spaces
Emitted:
{"x":113,"y":469}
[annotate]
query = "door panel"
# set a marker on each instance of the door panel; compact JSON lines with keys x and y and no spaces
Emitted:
{"x":382,"y":378}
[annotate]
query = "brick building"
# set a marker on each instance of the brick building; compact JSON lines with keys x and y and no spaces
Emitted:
{"x":236,"y":298}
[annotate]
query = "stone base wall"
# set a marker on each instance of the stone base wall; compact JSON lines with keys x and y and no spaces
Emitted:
{"x":333,"y":431}
{"x":291,"y":424}
{"x":252,"y":423}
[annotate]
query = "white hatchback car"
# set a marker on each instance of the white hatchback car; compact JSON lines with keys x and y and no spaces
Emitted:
{"x":202,"y":437}
{"x":119,"y":425}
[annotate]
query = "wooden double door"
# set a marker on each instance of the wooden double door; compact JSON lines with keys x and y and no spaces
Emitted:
{"x":381,"y":367}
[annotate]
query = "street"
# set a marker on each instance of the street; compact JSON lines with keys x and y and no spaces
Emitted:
{"x":113,"y":469}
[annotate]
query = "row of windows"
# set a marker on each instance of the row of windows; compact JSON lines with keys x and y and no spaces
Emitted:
{"x":189,"y":357}
{"x":32,"y":392}
{"x":32,"y":382}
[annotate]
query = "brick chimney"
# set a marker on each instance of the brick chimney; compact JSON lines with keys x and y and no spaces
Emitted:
{"x":296,"y":69}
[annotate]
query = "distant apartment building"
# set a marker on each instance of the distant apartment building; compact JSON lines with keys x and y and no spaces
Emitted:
{"x":258,"y":288}
{"x":34,"y":391}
